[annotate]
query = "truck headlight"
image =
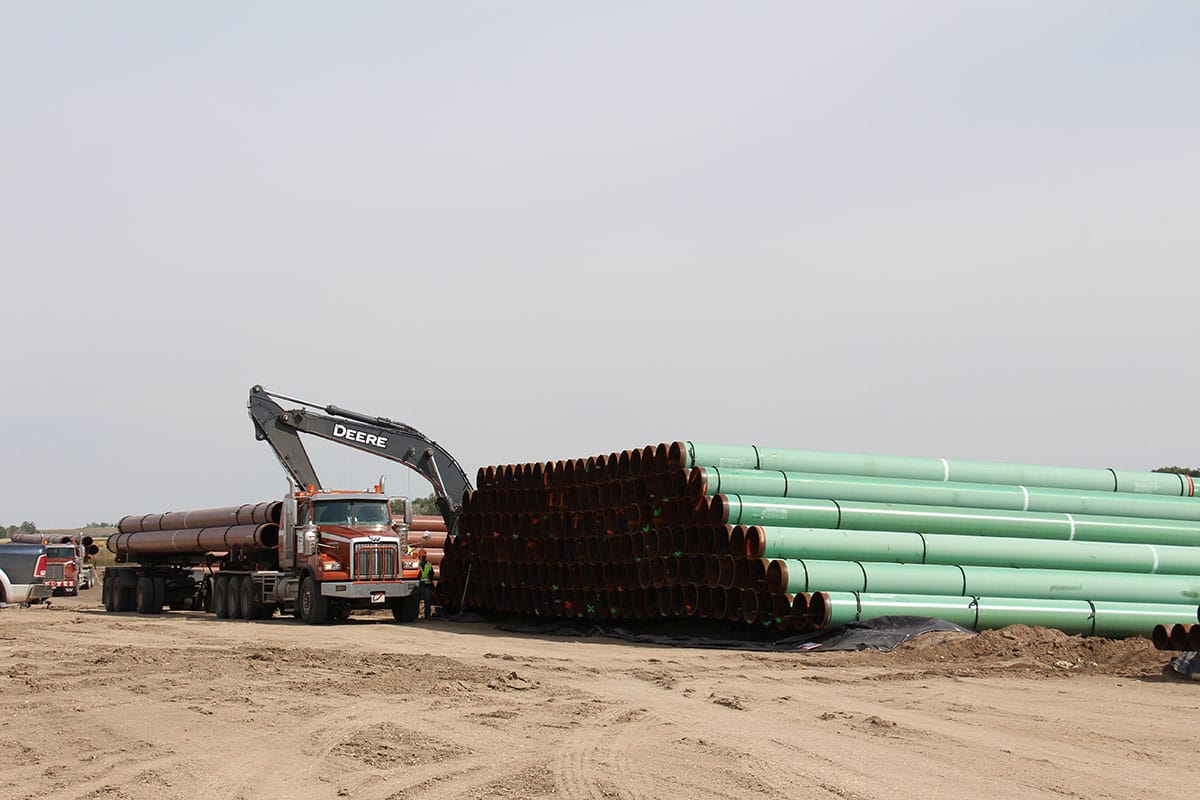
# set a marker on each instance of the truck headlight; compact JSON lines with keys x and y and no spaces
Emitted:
{"x":331,"y":566}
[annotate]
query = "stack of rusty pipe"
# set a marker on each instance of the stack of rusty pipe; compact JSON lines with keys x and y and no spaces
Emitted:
{"x":622,"y":536}
{"x":1179,"y":636}
{"x":246,"y":527}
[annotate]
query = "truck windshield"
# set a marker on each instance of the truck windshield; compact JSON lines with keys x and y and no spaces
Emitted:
{"x":60,"y":552}
{"x":350,"y":512}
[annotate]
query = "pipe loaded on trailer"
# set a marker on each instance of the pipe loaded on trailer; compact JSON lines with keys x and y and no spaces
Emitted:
{"x":315,"y":555}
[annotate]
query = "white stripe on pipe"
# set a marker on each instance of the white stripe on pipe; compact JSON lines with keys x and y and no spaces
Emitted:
{"x":1026,"y":493}
{"x":1072,"y":521}
{"x":1154,"y":550}
{"x":945,"y":470}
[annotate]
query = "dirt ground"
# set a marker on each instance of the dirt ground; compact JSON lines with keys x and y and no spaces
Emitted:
{"x":96,"y":705}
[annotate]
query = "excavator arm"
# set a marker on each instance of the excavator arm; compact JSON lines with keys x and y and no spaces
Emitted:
{"x":281,"y":429}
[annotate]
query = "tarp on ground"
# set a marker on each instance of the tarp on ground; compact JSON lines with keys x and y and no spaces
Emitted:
{"x":881,"y":634}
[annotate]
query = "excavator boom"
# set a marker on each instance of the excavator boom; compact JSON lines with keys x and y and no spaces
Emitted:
{"x":381,"y":436}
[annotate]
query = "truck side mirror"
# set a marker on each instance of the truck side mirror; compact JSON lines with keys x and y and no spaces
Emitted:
{"x":307,"y":539}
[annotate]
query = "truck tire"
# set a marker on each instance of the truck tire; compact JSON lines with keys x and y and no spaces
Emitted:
{"x":145,"y":595}
{"x":208,"y":588}
{"x":126,"y":597}
{"x":314,"y":608}
{"x":109,"y":590}
{"x":233,"y":596}
{"x":251,"y":607}
{"x":220,"y":601}
{"x":407,"y":608}
{"x":160,"y":595}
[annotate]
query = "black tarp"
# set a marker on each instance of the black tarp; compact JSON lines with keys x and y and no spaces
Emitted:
{"x":880,"y":634}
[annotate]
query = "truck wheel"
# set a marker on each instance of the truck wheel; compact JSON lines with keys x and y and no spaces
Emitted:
{"x":220,"y":602}
{"x":145,"y":595}
{"x":251,"y":607}
{"x":406,"y":608}
{"x":233,"y":596}
{"x":314,"y":608}
{"x":126,"y":597}
{"x":160,"y":595}
{"x":109,"y":590}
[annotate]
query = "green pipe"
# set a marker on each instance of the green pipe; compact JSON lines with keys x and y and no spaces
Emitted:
{"x":855,"y":515}
{"x":1133,"y":619}
{"x":1080,"y":585}
{"x":774,"y":483}
{"x":828,"y":610}
{"x":935,"y":469}
{"x":980,"y":551}
{"x":981,"y":613}
{"x":811,"y":575}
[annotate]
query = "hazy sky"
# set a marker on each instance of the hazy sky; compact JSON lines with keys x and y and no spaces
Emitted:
{"x":545,"y":230}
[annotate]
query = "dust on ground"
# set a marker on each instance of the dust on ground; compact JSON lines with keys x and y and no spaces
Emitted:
{"x":96,"y":705}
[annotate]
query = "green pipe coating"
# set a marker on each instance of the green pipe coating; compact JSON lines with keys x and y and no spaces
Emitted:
{"x":936,"y":469}
{"x":930,"y":493}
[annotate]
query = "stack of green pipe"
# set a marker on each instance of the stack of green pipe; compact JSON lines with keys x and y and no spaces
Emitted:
{"x":933,"y":548}
{"x":860,"y":515}
{"x":813,"y":575}
{"x":1116,"y":619}
{"x":983,"y":544}
{"x":776,"y":483}
{"x":935,"y":469}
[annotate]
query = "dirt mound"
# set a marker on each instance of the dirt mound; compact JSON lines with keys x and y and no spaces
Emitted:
{"x":1025,"y":647}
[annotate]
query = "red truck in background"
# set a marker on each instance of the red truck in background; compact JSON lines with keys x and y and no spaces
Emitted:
{"x":69,"y":567}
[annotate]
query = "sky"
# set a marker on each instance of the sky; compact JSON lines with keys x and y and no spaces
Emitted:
{"x":539,"y":230}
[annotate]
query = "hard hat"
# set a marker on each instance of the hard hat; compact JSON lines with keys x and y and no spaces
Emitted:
{"x":421,"y":553}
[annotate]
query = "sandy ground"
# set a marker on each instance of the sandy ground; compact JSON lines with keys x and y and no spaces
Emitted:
{"x":96,"y":705}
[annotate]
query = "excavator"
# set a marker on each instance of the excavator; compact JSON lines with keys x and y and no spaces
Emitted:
{"x":379,"y":436}
{"x":319,"y":553}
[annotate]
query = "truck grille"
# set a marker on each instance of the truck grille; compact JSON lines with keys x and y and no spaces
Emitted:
{"x":376,"y":561}
{"x":54,"y":572}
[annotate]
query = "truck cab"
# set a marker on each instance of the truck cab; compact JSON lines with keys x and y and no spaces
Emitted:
{"x":68,"y":568}
{"x":345,"y":552}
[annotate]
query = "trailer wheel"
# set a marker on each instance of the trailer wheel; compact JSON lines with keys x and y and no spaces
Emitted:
{"x":220,"y":602}
{"x":126,"y":597}
{"x":251,"y":607}
{"x":109,"y":590}
{"x":314,"y":608}
{"x":233,"y":597}
{"x":406,"y":609}
{"x":160,"y":595}
{"x":145,"y":595}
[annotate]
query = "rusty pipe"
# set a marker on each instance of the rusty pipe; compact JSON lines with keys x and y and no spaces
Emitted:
{"x":1179,"y":635}
{"x":196,"y":540}
{"x":232,"y":516}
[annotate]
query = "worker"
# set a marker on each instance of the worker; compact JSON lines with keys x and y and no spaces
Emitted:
{"x":425,"y":571}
